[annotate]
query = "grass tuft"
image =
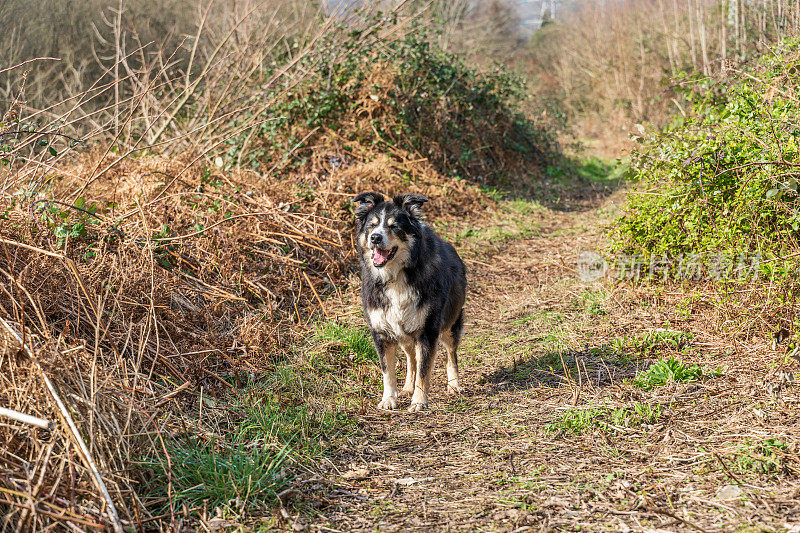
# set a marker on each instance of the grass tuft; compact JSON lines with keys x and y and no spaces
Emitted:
{"x":577,"y":421}
{"x":762,"y":458}
{"x":218,"y":474}
{"x":671,"y":370}
{"x":299,"y":427}
{"x":354,"y":342}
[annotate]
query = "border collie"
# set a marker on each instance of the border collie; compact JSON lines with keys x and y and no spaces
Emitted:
{"x":413,"y":286}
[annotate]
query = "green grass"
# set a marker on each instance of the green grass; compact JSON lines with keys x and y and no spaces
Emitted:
{"x":514,"y":220}
{"x":671,"y":371}
{"x":217,"y":474}
{"x":652,"y":341}
{"x":541,"y":318}
{"x":577,"y":421}
{"x":626,"y":348}
{"x":596,"y":169}
{"x":270,"y":436}
{"x":764,"y":457}
{"x":513,"y":228}
{"x":523,"y":207}
{"x":591,"y":301}
{"x":300,"y":427}
{"x":353,"y":342}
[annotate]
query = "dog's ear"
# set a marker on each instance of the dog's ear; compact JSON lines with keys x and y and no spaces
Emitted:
{"x":411,"y":203}
{"x":366,"y":201}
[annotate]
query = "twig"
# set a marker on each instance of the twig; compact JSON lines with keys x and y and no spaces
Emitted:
{"x":29,"y":61}
{"x":675,"y":517}
{"x":60,"y":516}
{"x":319,"y":300}
{"x":25,"y":419}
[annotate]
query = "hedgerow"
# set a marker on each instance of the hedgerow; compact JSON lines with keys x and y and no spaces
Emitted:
{"x":724,"y":178}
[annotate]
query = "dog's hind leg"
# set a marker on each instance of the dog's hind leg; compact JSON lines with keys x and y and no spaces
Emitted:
{"x":387,"y":352}
{"x":452,"y":363}
{"x":426,"y":356}
{"x":411,"y":369}
{"x":451,"y":338}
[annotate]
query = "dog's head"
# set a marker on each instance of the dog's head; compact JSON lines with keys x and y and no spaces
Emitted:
{"x":387,"y":230}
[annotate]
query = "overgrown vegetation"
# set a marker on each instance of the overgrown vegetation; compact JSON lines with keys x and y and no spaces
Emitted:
{"x":722,"y":180}
{"x":402,"y":96}
{"x":177,"y":263}
{"x":610,"y":65}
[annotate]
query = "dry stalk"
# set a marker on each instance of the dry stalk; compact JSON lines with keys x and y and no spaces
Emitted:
{"x":71,"y":428}
{"x":25,"y":419}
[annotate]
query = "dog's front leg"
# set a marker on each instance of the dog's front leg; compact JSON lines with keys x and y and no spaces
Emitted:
{"x":411,"y":368}
{"x":426,"y":354}
{"x":387,"y":352}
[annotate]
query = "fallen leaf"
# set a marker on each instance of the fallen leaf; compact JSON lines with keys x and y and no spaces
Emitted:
{"x":218,"y":524}
{"x":730,"y":492}
{"x":356,"y":474}
{"x":408,"y":481}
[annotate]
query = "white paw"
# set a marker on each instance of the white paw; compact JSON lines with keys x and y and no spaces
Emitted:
{"x":387,"y":404}
{"x":417,"y":407}
{"x":453,"y":388}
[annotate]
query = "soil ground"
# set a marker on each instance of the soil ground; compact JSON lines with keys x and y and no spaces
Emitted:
{"x":551,"y":434}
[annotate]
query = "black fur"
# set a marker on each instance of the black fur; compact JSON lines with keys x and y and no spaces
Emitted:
{"x":431,"y":272}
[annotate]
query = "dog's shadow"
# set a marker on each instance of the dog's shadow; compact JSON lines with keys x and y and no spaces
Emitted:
{"x":596,"y":366}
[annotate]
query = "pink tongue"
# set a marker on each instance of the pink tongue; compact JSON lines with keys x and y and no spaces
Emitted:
{"x":379,"y":256}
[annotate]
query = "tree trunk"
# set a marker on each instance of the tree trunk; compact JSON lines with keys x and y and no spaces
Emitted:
{"x":692,"y":43}
{"x":673,"y":66}
{"x":701,"y":29}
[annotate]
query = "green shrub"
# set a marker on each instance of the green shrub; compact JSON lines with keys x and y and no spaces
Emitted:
{"x":723,"y":178}
{"x":406,"y":94}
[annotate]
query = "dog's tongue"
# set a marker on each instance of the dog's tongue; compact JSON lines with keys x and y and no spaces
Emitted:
{"x":379,"y":256}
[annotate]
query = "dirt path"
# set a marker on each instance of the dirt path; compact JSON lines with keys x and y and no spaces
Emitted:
{"x":550,"y":434}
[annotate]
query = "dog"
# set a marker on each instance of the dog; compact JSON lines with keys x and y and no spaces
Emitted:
{"x":413,"y":288}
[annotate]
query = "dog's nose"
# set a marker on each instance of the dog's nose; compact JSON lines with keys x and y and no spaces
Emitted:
{"x":375,"y":238}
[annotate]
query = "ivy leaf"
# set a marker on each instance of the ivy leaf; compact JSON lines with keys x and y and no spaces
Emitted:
{"x":772,"y":192}
{"x":52,"y":151}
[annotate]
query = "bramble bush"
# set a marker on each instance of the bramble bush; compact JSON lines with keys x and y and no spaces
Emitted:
{"x":724,"y":178}
{"x":398,"y":96}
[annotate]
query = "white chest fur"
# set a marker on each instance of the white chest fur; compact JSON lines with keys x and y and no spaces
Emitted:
{"x":402,"y":317}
